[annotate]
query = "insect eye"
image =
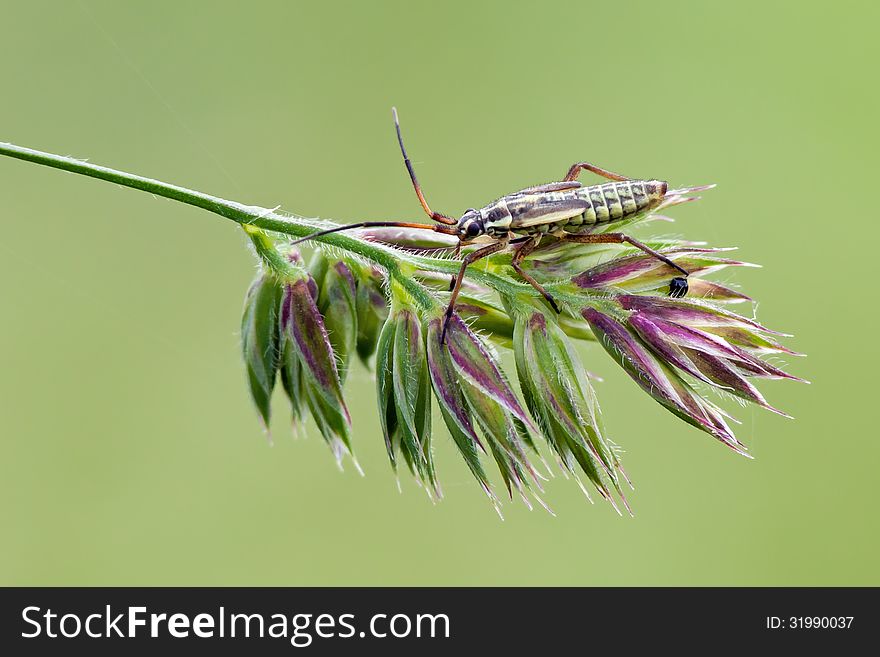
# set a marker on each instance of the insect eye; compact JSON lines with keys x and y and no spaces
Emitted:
{"x":473,"y":229}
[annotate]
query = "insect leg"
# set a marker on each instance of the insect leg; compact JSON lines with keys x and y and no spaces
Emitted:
{"x":575,"y":170}
{"x":678,"y":286}
{"x":518,"y":240}
{"x":456,"y":254}
{"x":518,"y":256}
{"x":469,"y":259}
{"x":436,"y":216}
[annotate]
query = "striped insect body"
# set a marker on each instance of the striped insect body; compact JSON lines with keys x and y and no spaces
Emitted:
{"x":572,"y":210}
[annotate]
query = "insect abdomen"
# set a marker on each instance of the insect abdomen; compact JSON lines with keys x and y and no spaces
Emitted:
{"x":617,"y":201}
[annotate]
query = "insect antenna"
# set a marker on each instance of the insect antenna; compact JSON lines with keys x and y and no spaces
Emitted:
{"x":375,"y":224}
{"x":436,"y":216}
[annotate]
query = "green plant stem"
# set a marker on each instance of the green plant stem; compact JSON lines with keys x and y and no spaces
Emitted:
{"x":398,"y":263}
{"x":268,"y":252}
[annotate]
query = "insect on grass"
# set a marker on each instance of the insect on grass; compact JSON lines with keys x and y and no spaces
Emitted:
{"x":561,"y":211}
{"x":302,"y":323}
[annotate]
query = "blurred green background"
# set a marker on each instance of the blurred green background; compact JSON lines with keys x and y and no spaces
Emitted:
{"x":129,"y":452}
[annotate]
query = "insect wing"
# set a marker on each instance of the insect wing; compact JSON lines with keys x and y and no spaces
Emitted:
{"x":543,"y":208}
{"x":551,"y":187}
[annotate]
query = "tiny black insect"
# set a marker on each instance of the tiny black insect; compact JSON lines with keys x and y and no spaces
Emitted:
{"x":678,"y":287}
